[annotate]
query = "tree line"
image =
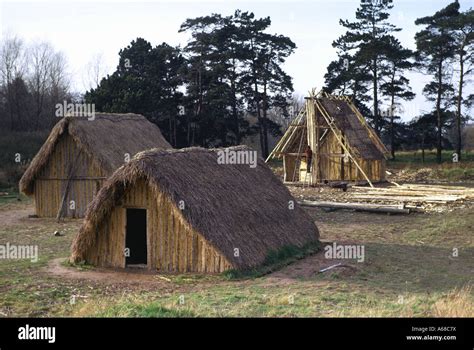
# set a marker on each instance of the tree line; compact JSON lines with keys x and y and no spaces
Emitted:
{"x":231,"y":68}
{"x":202,"y":93}
{"x":33,"y":78}
{"x":372,"y":67}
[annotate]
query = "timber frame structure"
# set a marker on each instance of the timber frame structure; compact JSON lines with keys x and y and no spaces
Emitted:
{"x":344,"y":146}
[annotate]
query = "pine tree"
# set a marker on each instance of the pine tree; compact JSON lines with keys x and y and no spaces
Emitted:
{"x":347,"y":75}
{"x":368,"y":35}
{"x":435,"y":50}
{"x":267,"y":85}
{"x":207,"y":93}
{"x":463,"y":26}
{"x":147,"y":82}
{"x":396,"y":86}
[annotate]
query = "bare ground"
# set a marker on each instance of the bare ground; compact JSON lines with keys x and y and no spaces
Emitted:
{"x":310,"y":267}
{"x":16,"y":216}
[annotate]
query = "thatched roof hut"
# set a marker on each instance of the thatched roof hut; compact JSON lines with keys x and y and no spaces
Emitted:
{"x":197,"y":215}
{"x":79,"y":154}
{"x":344,"y":146}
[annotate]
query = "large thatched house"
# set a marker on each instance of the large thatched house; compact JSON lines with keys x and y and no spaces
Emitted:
{"x":343,"y":145}
{"x":191,"y":215}
{"x":77,"y":157}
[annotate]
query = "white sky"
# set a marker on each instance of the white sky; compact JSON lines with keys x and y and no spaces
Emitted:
{"x":83,"y":29}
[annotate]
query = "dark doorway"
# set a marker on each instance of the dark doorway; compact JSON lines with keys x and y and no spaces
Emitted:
{"x":135,"y":237}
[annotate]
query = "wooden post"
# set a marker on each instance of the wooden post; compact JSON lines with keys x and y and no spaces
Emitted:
{"x":342,"y":159}
{"x":297,"y":166}
{"x":345,"y":147}
{"x":70,"y":173}
{"x":311,"y":131}
{"x":317,"y":151}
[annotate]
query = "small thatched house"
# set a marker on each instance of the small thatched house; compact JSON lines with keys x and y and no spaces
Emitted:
{"x":343,"y":145}
{"x":192,"y":215}
{"x":79,"y":155}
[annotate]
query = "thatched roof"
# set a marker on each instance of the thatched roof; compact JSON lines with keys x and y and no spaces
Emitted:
{"x":356,"y":134}
{"x":360,"y":136}
{"x":231,"y":206}
{"x":106,"y":138}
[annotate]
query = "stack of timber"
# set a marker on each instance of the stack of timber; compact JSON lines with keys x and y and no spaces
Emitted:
{"x":375,"y":208}
{"x":415,"y":196}
{"x":394,"y":199}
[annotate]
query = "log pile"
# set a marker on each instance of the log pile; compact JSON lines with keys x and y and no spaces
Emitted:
{"x":396,"y":199}
{"x":374,"y":208}
{"x":415,"y":196}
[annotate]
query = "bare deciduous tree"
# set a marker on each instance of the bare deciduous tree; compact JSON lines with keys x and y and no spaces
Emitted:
{"x":12,"y":70}
{"x":33,"y":79}
{"x":95,"y":70}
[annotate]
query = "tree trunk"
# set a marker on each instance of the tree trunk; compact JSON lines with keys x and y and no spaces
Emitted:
{"x":170,"y":131}
{"x":376,"y":101}
{"x":259,"y":116}
{"x":235,"y":114}
{"x":423,"y":149}
{"x":438,"y":112}
{"x":257,"y":107}
{"x":174,"y":132}
{"x":392,"y":126}
{"x":199,"y":107}
{"x":10,"y":106}
{"x":459,"y":104}
{"x":264,"y":119}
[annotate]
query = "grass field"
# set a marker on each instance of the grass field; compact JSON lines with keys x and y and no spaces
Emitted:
{"x":446,"y":171}
{"x":415,"y":157}
{"x":409,"y":270}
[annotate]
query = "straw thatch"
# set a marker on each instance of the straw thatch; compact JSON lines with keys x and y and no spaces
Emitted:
{"x":357,"y":135}
{"x":106,"y":138}
{"x":229,"y":205}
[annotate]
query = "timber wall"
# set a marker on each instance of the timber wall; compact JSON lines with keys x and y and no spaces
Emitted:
{"x":172,"y":245}
{"x":50,"y":184}
{"x":331,"y":163}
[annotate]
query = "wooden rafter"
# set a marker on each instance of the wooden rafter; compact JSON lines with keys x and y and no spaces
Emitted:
{"x":288,"y":135}
{"x":346,"y":148}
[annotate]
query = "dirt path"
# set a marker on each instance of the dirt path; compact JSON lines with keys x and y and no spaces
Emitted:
{"x":309,"y":267}
{"x":129,"y":279}
{"x":106,"y":276}
{"x":302,"y":269}
{"x":15,"y":216}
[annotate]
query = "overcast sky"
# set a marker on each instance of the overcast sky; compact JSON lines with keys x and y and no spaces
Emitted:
{"x":86,"y":28}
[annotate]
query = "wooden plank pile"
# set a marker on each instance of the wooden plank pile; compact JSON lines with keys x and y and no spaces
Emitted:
{"x":374,"y":208}
{"x":414,"y":196}
{"x":398,"y":199}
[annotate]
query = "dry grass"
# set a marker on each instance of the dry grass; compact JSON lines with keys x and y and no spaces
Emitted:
{"x":457,"y":303}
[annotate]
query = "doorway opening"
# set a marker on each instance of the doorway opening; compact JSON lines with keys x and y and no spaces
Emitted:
{"x":135,"y":238}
